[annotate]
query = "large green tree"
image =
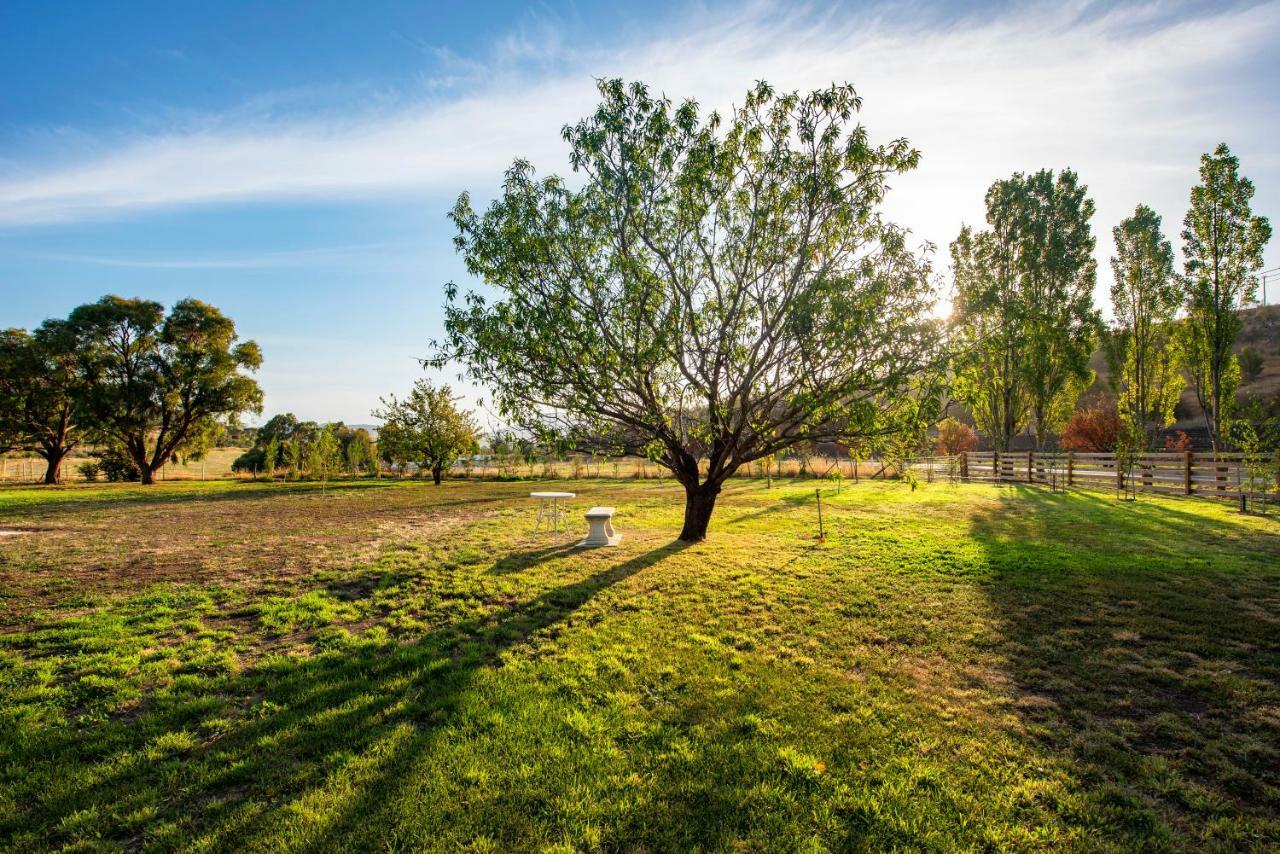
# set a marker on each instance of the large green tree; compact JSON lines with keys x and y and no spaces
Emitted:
{"x":1023,"y":314}
{"x":1222,"y":242}
{"x":426,"y":429}
{"x":154,"y":382}
{"x":40,"y":394}
{"x":712,"y":291}
{"x":1060,"y":273}
{"x":1145,"y":296}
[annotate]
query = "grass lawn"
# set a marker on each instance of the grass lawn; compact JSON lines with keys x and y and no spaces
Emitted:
{"x":390,"y":665}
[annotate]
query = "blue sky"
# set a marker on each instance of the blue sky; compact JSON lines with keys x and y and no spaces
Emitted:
{"x":292,"y":163}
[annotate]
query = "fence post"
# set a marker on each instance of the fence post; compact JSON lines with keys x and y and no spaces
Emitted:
{"x":1071,"y":467}
{"x":964,"y":465}
{"x":1186,"y":472}
{"x":1030,"y":472}
{"x":995,"y":466}
{"x":1119,"y":474}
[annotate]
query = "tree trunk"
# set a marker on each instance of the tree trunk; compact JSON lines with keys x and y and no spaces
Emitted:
{"x":437,"y":472}
{"x":148,"y":475}
{"x":53,"y":474}
{"x":699,"y":501}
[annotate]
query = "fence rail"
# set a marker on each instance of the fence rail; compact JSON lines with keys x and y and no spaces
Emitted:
{"x":1212,"y":475}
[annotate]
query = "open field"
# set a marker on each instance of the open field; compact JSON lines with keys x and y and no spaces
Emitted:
{"x":239,"y":666}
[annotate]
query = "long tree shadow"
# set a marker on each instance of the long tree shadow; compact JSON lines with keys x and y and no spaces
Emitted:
{"x":1142,"y":645}
{"x":291,"y":716}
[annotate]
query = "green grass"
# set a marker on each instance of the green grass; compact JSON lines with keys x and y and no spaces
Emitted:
{"x":391,"y":665}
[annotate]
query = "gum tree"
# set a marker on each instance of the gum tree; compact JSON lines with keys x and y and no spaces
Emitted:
{"x":40,"y":394}
{"x":155,"y":382}
{"x":1222,"y":241}
{"x":710,"y":292}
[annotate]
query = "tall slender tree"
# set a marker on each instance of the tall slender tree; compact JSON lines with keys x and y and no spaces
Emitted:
{"x":990,"y":326}
{"x":1223,"y":241}
{"x":1059,"y":274}
{"x":1145,"y":296}
{"x":1024,"y":317}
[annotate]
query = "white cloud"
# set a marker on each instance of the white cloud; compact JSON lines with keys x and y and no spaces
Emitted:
{"x":326,"y":255}
{"x":1128,"y":97}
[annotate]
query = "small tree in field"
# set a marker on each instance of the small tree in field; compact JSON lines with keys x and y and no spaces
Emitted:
{"x":1250,"y":363}
{"x":955,"y":437}
{"x":426,"y":428}
{"x":324,"y":455}
{"x":270,"y":457}
{"x":293,"y":456}
{"x":715,"y":291}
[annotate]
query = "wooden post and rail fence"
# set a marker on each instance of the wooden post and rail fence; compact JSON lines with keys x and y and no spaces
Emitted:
{"x":1203,"y":473}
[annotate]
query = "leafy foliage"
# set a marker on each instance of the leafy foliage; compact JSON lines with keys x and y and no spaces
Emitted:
{"x":1250,"y":363}
{"x":715,"y":291}
{"x":955,"y":437}
{"x":1024,"y":315}
{"x":1223,"y":244}
{"x":41,"y":394}
{"x":1096,"y":428}
{"x":152,"y":382}
{"x":1145,"y":297}
{"x":426,"y":428}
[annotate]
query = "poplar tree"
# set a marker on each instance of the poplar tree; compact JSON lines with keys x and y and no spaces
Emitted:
{"x":1145,"y":296}
{"x":1222,"y":242}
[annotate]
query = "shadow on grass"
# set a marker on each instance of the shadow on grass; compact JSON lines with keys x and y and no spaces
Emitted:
{"x":1143,"y":658}
{"x":517,"y":561}
{"x":292,"y":717}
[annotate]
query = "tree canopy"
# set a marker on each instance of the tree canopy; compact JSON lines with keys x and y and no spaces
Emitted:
{"x":41,"y":394}
{"x":152,"y":382}
{"x":426,"y":429}
{"x":714,"y":291}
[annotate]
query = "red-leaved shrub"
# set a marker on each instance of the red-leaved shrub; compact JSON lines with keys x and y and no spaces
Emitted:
{"x":955,"y":437}
{"x":1093,"y":429}
{"x":1178,"y":445}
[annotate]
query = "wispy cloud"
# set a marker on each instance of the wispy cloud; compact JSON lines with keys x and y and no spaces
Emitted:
{"x":1128,"y":96}
{"x":251,"y":261}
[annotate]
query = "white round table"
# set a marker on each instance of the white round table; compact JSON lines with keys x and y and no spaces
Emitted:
{"x":550,"y":508}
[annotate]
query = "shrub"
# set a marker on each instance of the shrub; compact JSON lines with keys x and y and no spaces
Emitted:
{"x":1250,"y":363}
{"x":89,"y":470}
{"x":955,"y":437}
{"x":1096,"y":428}
{"x":1178,"y":445}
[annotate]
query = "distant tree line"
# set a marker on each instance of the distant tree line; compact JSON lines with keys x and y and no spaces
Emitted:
{"x":308,"y":449}
{"x":143,"y":386}
{"x":1025,"y":326}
